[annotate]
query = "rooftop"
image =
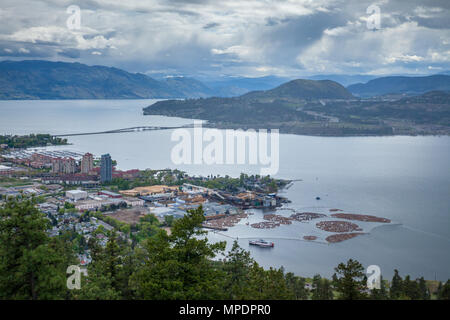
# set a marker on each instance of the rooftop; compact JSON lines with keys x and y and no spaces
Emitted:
{"x":76,"y":191}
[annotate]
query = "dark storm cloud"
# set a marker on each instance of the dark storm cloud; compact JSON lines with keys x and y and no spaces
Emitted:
{"x":288,"y":38}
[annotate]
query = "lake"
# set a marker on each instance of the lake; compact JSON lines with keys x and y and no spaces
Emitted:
{"x":405,"y":179}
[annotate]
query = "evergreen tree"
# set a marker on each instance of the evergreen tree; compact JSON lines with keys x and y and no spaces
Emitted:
{"x":32,"y":265}
{"x":316,"y":287}
{"x":423,"y":289}
{"x":109,"y":271}
{"x":326,"y":291}
{"x":379,"y":294}
{"x":410,"y":289}
{"x":444,"y":291}
{"x":297,"y":286}
{"x":237,"y":267}
{"x":322,"y":289}
{"x":179,"y":266}
{"x":268,"y":284}
{"x":350,"y":280}
{"x":396,"y":289}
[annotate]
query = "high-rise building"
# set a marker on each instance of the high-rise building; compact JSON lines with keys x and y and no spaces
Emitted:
{"x":106,"y":168}
{"x":64,"y":165}
{"x":87,"y":163}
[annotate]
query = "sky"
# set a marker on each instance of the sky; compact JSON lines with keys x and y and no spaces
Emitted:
{"x":289,"y":38}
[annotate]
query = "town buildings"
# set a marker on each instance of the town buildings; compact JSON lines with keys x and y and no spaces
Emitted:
{"x":76,"y":195}
{"x":87,"y":163}
{"x":110,"y":194}
{"x":106,"y":168}
{"x":64,"y":165}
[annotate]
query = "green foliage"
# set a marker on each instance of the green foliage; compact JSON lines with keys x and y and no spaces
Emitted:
{"x":68,"y":205}
{"x":350,"y":280}
{"x":179,"y":266}
{"x":32,"y":140}
{"x":444,"y":291}
{"x":268,"y":284}
{"x":266,"y":183}
{"x":411,"y":289}
{"x":161,"y":266}
{"x":33,"y":265}
{"x":147,"y":227}
{"x":396,"y":286}
{"x":296,"y":285}
{"x":379,"y":294}
{"x":237,"y":265}
{"x":322,"y":289}
{"x":169,"y":220}
{"x":424,"y":293}
{"x":109,"y":271}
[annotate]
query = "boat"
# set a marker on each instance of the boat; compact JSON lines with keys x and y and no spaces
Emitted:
{"x":261,"y":243}
{"x":317,"y":198}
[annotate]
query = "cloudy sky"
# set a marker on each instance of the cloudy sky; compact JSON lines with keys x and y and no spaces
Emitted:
{"x":242,"y":38}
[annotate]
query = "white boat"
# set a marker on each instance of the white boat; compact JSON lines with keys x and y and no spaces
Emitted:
{"x":261,"y":243}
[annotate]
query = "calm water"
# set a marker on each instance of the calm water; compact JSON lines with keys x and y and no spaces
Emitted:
{"x":405,"y":179}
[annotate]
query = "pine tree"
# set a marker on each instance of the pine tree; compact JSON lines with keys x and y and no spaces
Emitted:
{"x":179,"y":266}
{"x":444,"y":291}
{"x":316,"y":287}
{"x":350,"y":280}
{"x":297,"y":286}
{"x":32,"y":265}
{"x":322,"y":288}
{"x":326,"y":291}
{"x":411,"y":289}
{"x":109,"y":271}
{"x":423,"y":289}
{"x":379,"y":294}
{"x":237,"y":267}
{"x":268,"y":284}
{"x":396,"y":289}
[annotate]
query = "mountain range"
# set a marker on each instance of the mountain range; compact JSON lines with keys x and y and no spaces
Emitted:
{"x":401,"y":85}
{"x":40,"y":79}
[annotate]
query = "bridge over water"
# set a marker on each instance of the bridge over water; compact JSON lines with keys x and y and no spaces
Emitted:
{"x":131,"y":129}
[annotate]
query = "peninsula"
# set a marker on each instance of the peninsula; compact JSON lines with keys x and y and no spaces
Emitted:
{"x":323,"y":108}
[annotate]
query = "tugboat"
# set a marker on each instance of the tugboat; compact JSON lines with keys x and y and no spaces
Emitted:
{"x":261,"y":243}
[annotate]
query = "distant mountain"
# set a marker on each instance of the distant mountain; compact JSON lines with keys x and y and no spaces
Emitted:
{"x":303,"y":89}
{"x":37,"y":79}
{"x":255,"y":106}
{"x":236,"y":86}
{"x":403,"y":85}
{"x":189,"y":87}
{"x":343,"y":79}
